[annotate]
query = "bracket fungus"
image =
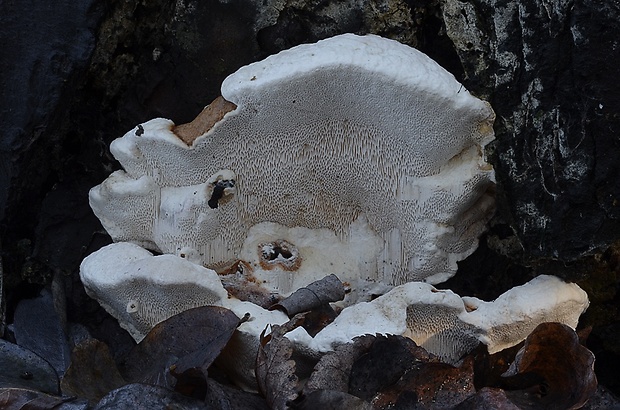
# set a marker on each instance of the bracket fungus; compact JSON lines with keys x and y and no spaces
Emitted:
{"x":354,"y":140}
{"x":355,"y":156}
{"x":451,"y":326}
{"x":141,"y":290}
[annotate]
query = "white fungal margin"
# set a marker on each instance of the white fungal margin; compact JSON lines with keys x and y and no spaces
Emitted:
{"x":450,"y":326}
{"x":322,"y":136}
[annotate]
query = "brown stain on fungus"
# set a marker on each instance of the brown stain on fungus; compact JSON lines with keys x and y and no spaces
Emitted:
{"x":207,"y":118}
{"x":279,"y":254}
{"x":239,"y":281}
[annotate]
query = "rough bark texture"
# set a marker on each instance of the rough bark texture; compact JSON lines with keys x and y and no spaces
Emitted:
{"x":77,"y":74}
{"x":548,"y":69}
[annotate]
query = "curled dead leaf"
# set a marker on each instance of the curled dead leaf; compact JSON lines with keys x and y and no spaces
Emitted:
{"x":318,"y":293}
{"x":552,"y":370}
{"x":333,"y":370}
{"x":92,"y":373}
{"x":275,"y":371}
{"x":185,"y":342}
{"x":24,"y":399}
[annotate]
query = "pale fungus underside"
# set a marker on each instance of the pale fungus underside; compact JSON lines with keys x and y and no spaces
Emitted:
{"x":366,"y":144}
{"x":355,"y":156}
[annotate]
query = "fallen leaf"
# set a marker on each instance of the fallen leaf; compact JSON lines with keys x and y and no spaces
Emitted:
{"x":275,"y":371}
{"x":318,"y":293}
{"x":389,"y":372}
{"x":92,"y":373}
{"x":319,"y":317}
{"x":429,"y":386}
{"x":185,"y":342}
{"x":142,"y":396}
{"x":489,"y":368}
{"x":333,"y":370}
{"x":388,"y":358}
{"x":24,"y":399}
{"x":222,"y":397}
{"x":21,"y":368}
{"x":488,"y":398}
{"x":331,"y":400}
{"x":552,"y":370}
{"x":602,"y":399}
{"x":38,"y":328}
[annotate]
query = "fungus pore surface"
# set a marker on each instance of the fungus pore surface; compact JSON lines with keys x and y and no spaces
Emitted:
{"x":451,"y":326}
{"x":354,"y":156}
{"x":361,"y":144}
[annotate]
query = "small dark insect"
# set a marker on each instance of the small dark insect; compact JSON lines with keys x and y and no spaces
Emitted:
{"x":26,"y":376}
{"x":140,"y":130}
{"x":218,"y":192}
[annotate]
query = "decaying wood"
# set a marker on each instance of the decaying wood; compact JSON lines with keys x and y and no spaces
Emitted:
{"x":207,"y":118}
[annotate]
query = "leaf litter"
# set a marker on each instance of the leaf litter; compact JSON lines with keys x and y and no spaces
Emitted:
{"x":172,"y":367}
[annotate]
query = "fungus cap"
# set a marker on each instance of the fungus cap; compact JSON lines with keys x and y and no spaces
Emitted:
{"x":349,"y":131}
{"x":450,"y":326}
{"x":141,"y":290}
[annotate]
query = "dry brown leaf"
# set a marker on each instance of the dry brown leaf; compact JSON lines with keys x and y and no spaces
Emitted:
{"x":318,"y":293}
{"x":388,"y":371}
{"x":488,"y":398}
{"x":552,"y":370}
{"x":602,"y":399}
{"x":331,"y":400}
{"x":316,"y":319}
{"x":430,"y":386}
{"x":142,"y":396}
{"x":489,"y":368}
{"x":333,"y":370}
{"x":23,"y":399}
{"x":387,"y":360}
{"x":222,"y":397}
{"x":189,"y":340}
{"x":275,"y":371}
{"x":92,"y":373}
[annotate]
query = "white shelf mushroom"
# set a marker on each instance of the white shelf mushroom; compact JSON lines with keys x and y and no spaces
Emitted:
{"x":355,"y":156}
{"x":362,"y":143}
{"x":451,"y":326}
{"x":141,"y":290}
